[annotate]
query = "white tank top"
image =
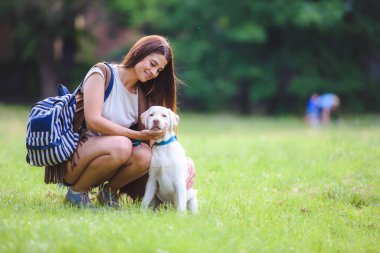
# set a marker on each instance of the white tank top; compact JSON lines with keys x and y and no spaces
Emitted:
{"x":121,"y":106}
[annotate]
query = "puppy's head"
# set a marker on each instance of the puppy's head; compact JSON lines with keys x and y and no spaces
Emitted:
{"x":157,"y":118}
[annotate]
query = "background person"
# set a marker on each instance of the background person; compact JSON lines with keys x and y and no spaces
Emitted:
{"x":327,"y":104}
{"x":312,"y":112}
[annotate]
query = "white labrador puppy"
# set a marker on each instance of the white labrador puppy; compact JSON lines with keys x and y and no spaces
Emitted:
{"x":168,"y":168}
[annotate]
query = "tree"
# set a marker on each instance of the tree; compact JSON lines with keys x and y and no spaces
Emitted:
{"x":270,"y":54}
{"x":265,"y":56}
{"x":45,"y":33}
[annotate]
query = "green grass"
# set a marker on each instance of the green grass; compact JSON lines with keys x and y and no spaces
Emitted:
{"x":265,"y":185}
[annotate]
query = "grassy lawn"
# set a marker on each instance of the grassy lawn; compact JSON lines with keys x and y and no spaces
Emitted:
{"x":265,"y":185}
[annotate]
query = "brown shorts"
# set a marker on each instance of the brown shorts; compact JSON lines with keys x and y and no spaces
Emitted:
{"x":136,"y":189}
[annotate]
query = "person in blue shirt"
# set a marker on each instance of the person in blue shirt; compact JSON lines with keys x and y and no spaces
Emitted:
{"x":312,"y":112}
{"x":327,"y":104}
{"x":320,"y":108}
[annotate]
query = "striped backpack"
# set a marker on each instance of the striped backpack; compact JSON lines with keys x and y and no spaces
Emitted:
{"x":50,"y":137}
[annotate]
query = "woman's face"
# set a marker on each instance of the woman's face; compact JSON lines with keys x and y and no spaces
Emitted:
{"x":149,"y":67}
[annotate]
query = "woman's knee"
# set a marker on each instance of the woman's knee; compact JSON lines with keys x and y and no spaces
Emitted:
{"x":142,"y":155}
{"x":121,"y":148}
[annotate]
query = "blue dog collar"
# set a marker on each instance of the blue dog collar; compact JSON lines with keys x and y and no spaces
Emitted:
{"x":171,"y":139}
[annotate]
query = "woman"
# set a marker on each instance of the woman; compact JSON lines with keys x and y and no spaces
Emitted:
{"x":144,"y":78}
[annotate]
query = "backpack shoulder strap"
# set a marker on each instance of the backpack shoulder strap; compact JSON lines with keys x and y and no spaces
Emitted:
{"x":109,"y":77}
{"x":79,"y":115}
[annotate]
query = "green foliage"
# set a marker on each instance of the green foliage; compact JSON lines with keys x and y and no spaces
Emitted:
{"x":36,"y":21}
{"x":280,"y":48}
{"x":269,"y":185}
{"x":319,"y":14}
{"x":234,"y":55}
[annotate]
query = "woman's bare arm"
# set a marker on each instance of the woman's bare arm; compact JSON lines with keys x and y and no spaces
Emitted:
{"x":93,"y":96}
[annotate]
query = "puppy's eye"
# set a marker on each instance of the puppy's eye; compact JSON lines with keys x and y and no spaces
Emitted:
{"x":164,"y":115}
{"x":151,"y":114}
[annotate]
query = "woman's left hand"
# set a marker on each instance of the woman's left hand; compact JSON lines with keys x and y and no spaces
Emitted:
{"x":190,"y":174}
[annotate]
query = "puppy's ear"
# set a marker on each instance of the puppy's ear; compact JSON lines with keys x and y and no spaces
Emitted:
{"x":174,"y":118}
{"x":144,"y":118}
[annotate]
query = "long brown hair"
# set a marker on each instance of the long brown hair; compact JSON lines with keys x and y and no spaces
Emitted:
{"x":161,"y":90}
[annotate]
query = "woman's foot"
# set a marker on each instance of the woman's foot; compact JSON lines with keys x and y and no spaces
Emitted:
{"x":108,"y":198}
{"x":79,"y":199}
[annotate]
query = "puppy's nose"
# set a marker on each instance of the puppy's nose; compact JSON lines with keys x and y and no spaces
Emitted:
{"x":156,"y":122}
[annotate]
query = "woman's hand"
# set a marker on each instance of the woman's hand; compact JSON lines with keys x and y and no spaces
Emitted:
{"x":191,"y":173}
{"x":151,"y":135}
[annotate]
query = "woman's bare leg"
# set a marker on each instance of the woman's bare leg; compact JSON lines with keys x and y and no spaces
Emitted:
{"x":136,"y":166}
{"x":100,"y":158}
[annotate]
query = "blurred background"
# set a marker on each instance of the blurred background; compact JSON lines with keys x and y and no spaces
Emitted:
{"x":245,"y":56}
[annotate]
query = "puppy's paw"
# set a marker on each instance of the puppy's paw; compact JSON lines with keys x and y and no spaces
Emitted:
{"x":181,"y":210}
{"x":144,"y":206}
{"x":181,"y":213}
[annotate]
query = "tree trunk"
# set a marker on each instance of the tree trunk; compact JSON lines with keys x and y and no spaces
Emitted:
{"x":47,"y":69}
{"x":243,"y":103}
{"x":67,"y":61}
{"x":280,"y":98}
